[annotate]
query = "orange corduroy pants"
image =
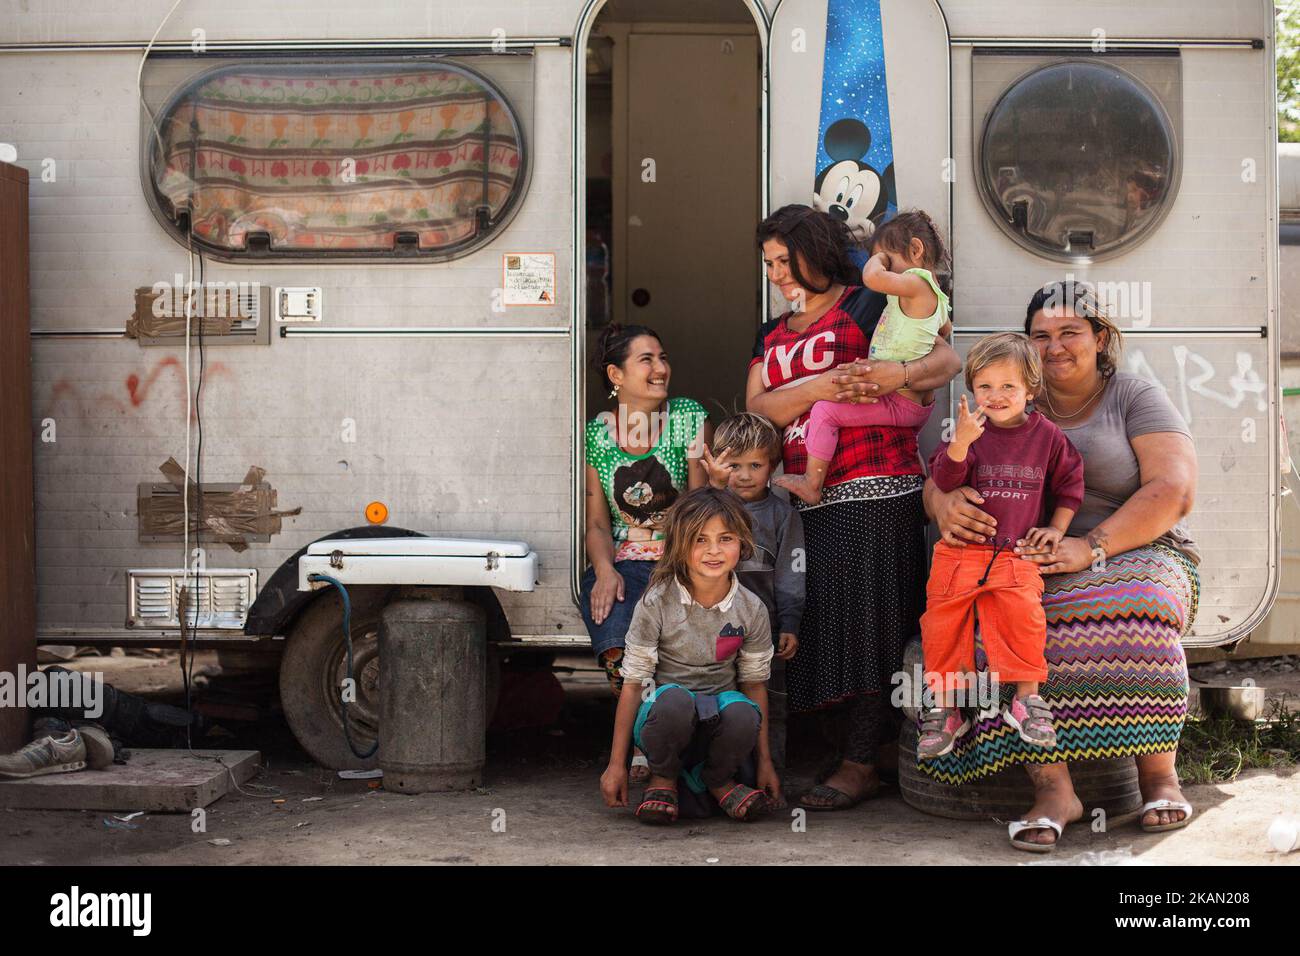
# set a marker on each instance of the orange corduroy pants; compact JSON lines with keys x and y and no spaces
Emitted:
{"x":1009,"y":606}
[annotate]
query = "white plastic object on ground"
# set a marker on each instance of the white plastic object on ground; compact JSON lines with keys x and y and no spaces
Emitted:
{"x":1284,"y":834}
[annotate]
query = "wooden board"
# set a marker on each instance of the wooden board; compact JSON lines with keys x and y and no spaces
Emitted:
{"x":17,"y":505}
{"x":150,"y":780}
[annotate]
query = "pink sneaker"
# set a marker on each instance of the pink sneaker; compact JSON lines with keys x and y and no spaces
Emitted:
{"x":1033,"y":718}
{"x":940,"y":728}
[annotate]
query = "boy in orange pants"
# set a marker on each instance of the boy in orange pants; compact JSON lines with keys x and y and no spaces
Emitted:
{"x":1018,"y":465}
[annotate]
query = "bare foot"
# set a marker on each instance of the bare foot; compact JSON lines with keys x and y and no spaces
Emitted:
{"x":800,"y":486}
{"x":1055,"y":800}
{"x":1161,"y":787}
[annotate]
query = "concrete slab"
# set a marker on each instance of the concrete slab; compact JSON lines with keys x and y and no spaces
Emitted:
{"x":150,"y":780}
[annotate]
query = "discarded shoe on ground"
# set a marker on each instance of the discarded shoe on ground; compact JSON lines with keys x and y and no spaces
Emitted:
{"x":102,"y":750}
{"x":99,"y":746}
{"x":59,"y":754}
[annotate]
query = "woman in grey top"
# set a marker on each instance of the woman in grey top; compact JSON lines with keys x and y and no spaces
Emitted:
{"x":1123,"y":586}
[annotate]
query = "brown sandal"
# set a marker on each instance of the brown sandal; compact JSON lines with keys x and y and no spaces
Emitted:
{"x":833,"y":798}
{"x":745,"y":803}
{"x":658,"y":806}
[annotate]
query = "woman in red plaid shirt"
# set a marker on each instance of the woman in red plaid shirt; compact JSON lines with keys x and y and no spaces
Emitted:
{"x":866,"y":562}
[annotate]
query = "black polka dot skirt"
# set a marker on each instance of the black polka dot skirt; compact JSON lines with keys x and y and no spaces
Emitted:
{"x":865,"y":594}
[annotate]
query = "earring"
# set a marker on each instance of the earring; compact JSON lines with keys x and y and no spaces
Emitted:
{"x":614,"y":393}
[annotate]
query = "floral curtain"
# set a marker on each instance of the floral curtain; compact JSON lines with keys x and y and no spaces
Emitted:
{"x":338,"y":158}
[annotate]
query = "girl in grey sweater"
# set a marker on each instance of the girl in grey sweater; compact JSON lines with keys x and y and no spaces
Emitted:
{"x":695,"y":670}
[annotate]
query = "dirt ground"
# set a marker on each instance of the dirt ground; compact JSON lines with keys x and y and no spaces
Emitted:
{"x":541,"y":794}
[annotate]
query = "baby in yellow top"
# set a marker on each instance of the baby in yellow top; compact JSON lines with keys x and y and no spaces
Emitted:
{"x":905,"y":252}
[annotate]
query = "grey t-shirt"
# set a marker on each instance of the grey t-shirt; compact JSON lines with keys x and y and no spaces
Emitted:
{"x":674,"y":640}
{"x":1130,"y":407}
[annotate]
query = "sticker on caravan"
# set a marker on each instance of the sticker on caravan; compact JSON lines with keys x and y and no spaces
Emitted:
{"x":528,"y":278}
{"x":855,"y":152}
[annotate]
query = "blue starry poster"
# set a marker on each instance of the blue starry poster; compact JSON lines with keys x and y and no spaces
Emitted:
{"x":855,"y":149}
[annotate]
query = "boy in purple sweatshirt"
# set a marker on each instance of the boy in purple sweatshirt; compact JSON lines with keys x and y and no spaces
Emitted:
{"x":1025,"y":469}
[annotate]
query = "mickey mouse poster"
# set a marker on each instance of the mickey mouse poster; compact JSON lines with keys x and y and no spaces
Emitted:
{"x":855,"y":156}
{"x":850,"y":189}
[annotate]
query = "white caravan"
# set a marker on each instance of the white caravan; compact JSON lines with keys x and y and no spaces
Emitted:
{"x":409,"y":219}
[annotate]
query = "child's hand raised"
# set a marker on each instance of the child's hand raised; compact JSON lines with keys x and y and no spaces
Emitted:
{"x":718,"y":470}
{"x":970,"y":425}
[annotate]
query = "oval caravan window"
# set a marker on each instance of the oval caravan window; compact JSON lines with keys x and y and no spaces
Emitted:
{"x":1078,"y":161}
{"x":372,"y":160}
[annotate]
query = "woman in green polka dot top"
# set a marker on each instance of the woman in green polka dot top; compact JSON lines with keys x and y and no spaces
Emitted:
{"x":641,"y":455}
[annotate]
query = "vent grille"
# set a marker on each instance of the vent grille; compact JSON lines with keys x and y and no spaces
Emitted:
{"x":217,"y":599}
{"x":229,"y":313}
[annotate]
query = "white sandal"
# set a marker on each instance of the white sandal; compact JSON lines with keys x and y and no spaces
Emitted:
{"x":1182,"y":805}
{"x":1042,"y":823}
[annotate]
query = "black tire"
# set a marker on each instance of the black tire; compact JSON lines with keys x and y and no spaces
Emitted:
{"x":312,"y":672}
{"x":1110,"y":784}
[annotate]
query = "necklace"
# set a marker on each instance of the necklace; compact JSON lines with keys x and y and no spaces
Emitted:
{"x":1057,"y":415}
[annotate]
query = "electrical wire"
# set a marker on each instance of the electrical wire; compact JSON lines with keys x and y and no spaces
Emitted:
{"x":187,"y":655}
{"x":187,"y":659}
{"x":187,"y":673}
{"x":139,"y":77}
{"x":185,"y":468}
{"x":191,"y":411}
{"x":198,"y":461}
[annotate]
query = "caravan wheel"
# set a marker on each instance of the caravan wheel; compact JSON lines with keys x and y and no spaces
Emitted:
{"x":312,"y":674}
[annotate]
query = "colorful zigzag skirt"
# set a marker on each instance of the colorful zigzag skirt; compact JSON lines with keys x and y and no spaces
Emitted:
{"x":1117,"y":675}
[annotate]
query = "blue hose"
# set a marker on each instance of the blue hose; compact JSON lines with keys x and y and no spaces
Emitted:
{"x":347,"y":639}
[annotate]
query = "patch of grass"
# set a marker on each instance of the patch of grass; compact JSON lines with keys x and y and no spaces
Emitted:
{"x":1217,"y":749}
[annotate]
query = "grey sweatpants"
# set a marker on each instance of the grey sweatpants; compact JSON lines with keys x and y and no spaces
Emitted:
{"x":674,"y":736}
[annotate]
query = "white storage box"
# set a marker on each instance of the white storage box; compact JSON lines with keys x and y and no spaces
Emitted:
{"x":510,"y":565}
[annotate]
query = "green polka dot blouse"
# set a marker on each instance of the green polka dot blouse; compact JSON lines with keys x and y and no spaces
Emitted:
{"x":640,"y":488}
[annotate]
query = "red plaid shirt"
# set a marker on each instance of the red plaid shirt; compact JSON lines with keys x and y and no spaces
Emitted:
{"x":841,"y":335}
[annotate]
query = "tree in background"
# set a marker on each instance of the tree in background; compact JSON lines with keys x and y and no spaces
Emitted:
{"x":1288,"y":71}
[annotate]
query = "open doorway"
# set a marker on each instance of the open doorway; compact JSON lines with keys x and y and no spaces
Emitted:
{"x":674,"y":187}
